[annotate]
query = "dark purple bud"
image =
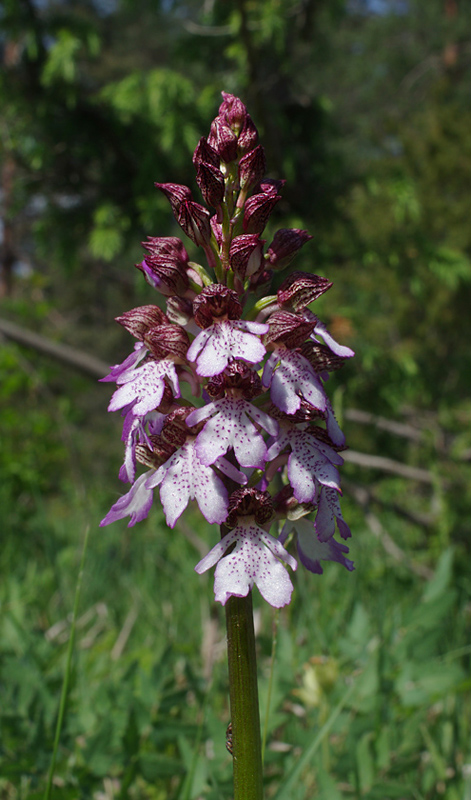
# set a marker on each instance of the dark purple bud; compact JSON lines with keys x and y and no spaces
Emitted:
{"x":239,"y":375}
{"x":252,"y":168}
{"x":249,"y":502}
{"x":175,"y":430}
{"x":168,"y":341}
{"x":211,"y":182}
{"x":168,"y":277}
{"x":301,"y":288}
{"x":248,"y":137}
{"x":216,"y":387}
{"x":216,"y":228}
{"x":260,"y":283}
{"x":290,"y":329}
{"x":179,"y":310}
{"x":160,"y":453}
{"x":138,"y":321}
{"x":321,"y":357}
{"x":223,"y":139}
{"x":168,"y":246}
{"x":233,"y":111}
{"x":257,"y":210}
{"x":305,"y":413}
{"x":216,"y":303}
{"x":285,"y":245}
{"x":205,"y":154}
{"x":271,"y":186}
{"x":194,"y":220}
{"x":175,"y":193}
{"x":245,"y":255}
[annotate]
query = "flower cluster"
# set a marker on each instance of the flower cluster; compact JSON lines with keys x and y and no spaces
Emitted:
{"x":259,"y":443}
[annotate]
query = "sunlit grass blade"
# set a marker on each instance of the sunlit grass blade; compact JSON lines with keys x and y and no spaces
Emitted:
{"x":270,"y":682}
{"x":310,"y":751}
{"x":68,"y":666}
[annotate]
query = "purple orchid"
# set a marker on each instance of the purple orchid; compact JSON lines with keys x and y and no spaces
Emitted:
{"x":231,"y":426}
{"x":256,"y":558}
{"x":311,"y":549}
{"x":182,"y":478}
{"x":256,"y":367}
{"x":216,"y":346}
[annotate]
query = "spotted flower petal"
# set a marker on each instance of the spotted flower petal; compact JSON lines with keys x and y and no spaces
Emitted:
{"x":135,"y":504}
{"x":145,"y":385}
{"x":231,"y":426}
{"x":310,"y":463}
{"x":127,"y":366}
{"x":255,"y":559}
{"x":182,"y":478}
{"x":293,"y":378}
{"x":134,"y":432}
{"x":221,"y":342}
{"x":328,"y":513}
{"x":312,"y":551}
{"x":321,"y":330}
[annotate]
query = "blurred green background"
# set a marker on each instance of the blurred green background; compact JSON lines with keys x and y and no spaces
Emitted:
{"x":364,"y":107}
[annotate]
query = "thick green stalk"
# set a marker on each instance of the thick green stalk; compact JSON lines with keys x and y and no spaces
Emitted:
{"x":243,"y":690}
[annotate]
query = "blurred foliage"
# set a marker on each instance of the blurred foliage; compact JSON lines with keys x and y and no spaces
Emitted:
{"x":364,"y":108}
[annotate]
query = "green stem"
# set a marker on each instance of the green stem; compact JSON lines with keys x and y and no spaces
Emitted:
{"x":243,"y":690}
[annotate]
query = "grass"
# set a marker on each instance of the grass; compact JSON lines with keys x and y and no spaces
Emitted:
{"x":371,"y":690}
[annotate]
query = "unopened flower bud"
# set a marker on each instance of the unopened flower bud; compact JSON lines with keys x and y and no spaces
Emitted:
{"x":301,"y":288}
{"x":223,"y":139}
{"x":285,"y":245}
{"x":194,"y":220}
{"x":215,"y":303}
{"x":257,"y":210}
{"x":216,"y":229}
{"x":248,"y":137}
{"x":211,"y":182}
{"x":245,"y":255}
{"x":168,"y":277}
{"x":170,"y":247}
{"x":175,"y":193}
{"x":252,"y":168}
{"x":175,"y":430}
{"x":288,"y":328}
{"x":167,"y":341}
{"x":205,"y":154}
{"x":270,"y":186}
{"x":233,"y":111}
{"x":138,"y":321}
{"x":321,"y":357}
{"x":160,"y":452}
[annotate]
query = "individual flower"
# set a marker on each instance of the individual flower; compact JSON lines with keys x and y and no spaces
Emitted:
{"x":135,"y":504}
{"x":311,"y":550}
{"x":183,"y":478}
{"x":231,"y":426}
{"x":145,"y":386}
{"x":290,"y":378}
{"x":310,"y":463}
{"x":216,"y":346}
{"x":255,"y":559}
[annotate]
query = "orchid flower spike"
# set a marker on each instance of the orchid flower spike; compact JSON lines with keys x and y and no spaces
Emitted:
{"x":256,"y":361}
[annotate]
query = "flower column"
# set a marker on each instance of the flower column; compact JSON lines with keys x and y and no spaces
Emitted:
{"x":256,"y":363}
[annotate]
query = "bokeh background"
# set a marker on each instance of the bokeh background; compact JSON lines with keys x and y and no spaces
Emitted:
{"x":363,"y":106}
